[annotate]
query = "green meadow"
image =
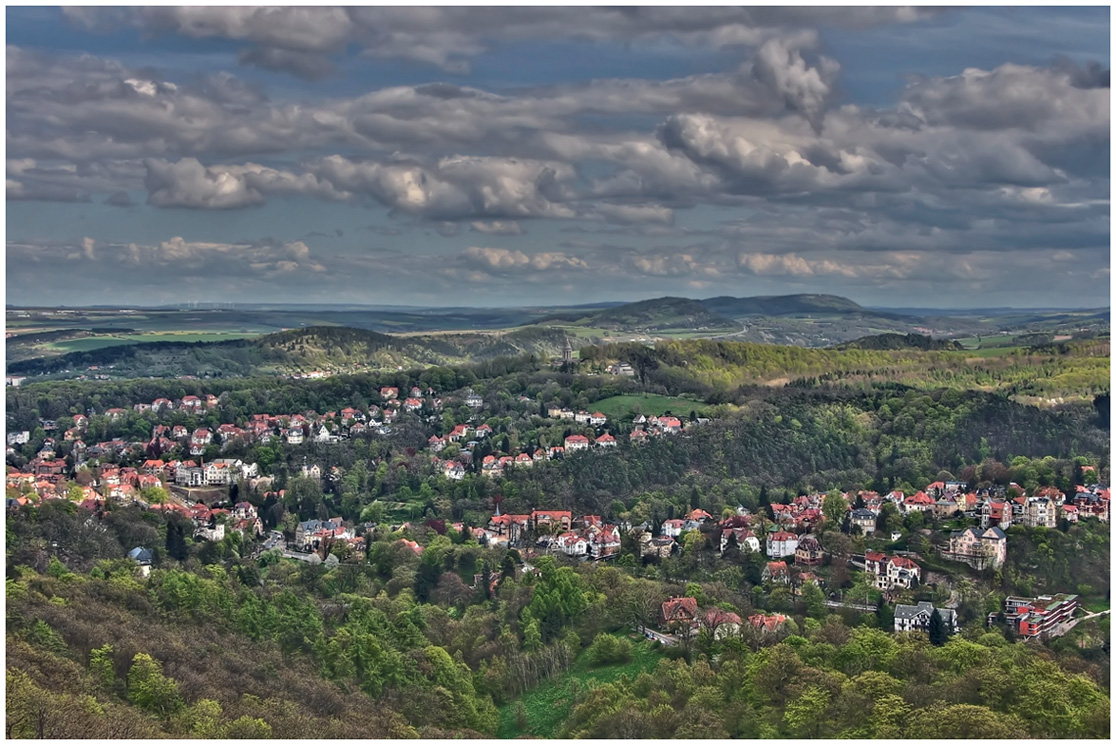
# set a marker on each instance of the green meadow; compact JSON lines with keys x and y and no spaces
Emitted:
{"x":547,"y":706}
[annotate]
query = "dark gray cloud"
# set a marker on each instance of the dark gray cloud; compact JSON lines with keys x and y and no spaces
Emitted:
{"x":306,"y":65}
{"x":288,"y":38}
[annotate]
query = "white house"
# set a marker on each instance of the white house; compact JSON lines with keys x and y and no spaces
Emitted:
{"x":781,"y":544}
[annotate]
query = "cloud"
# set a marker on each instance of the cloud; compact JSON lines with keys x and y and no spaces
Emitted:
{"x":306,"y":65}
{"x":504,"y":261}
{"x":497,"y":227}
{"x":187,"y":183}
{"x":780,"y":65}
{"x":289,"y":38}
{"x":629,"y":214}
{"x":1062,"y":100}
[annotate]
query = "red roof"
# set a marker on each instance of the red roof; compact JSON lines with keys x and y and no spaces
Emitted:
{"x":715,"y":616}
{"x":674,"y":605}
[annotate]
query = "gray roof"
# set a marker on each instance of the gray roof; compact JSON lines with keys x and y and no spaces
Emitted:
{"x":910,"y":611}
{"x":142,"y":555}
{"x":863,"y":514}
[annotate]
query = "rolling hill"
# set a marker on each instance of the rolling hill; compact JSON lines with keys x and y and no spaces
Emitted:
{"x":326,"y":348}
{"x":781,"y":305}
{"x":658,"y":314}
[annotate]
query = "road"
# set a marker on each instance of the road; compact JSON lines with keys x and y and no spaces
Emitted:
{"x":1068,"y":625}
{"x":854,"y":606}
{"x":661,"y":638}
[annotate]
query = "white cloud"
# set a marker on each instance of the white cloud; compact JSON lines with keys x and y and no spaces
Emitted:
{"x":504,"y":261}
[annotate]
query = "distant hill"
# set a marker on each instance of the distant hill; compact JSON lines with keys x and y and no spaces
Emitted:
{"x":658,"y":314}
{"x":780,"y":305}
{"x":902,"y":341}
{"x":325,"y":348}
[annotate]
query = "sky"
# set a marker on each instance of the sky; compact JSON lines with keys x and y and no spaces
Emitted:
{"x":500,"y":156}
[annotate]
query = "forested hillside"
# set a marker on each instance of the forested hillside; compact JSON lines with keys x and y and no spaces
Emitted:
{"x":219,"y":644}
{"x":715,"y":369}
{"x":324,"y":348}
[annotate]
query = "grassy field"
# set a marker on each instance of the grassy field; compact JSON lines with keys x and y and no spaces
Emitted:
{"x":617,"y":407}
{"x":548,"y":705}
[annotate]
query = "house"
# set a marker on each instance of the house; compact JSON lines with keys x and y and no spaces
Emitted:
{"x":454,"y":470}
{"x":809,"y":552}
{"x":864,"y":519}
{"x":597,"y":419}
{"x":637,"y":436}
{"x":1040,"y":512}
{"x":673,"y":528}
{"x":483,"y":431}
{"x":574,"y":443}
{"x":552,"y":517}
{"x":309,"y":534}
{"x":1069,"y":512}
{"x":766,"y":624}
{"x":995,"y":513}
{"x":776,"y":572}
{"x":781,"y":543}
{"x":190,"y":403}
{"x":145,"y":557}
{"x":699,"y":515}
{"x":946,"y":507}
{"x":978,"y":548}
{"x":918,"y":502}
{"x":388,"y":392}
{"x":720,"y":623}
{"x":213,"y":531}
{"x":678,"y":613}
{"x":581,"y":417}
{"x":604,"y":541}
{"x":917,"y":617}
{"x":606,"y":441}
{"x":572,"y":544}
{"x":745,"y":539}
{"x":660,"y":547}
{"x":473,"y":401}
{"x":412,"y":404}
{"x":1039,"y":617}
{"x":435,"y":443}
{"x":889,"y":573}
{"x":901,"y":573}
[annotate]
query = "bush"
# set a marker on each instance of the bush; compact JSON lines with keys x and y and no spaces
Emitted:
{"x":607,"y":649}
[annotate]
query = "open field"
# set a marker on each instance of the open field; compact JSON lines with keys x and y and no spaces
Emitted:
{"x":548,"y":705}
{"x":617,"y":407}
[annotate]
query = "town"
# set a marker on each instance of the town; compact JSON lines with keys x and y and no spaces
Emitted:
{"x":183,"y":468}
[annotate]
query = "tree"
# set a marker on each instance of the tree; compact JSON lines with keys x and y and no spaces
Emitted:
{"x":938,"y":633}
{"x":100,"y":664}
{"x":834,"y":508}
{"x":814,"y":599}
{"x":176,"y":540}
{"x":149,"y":689}
{"x":806,"y":714}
